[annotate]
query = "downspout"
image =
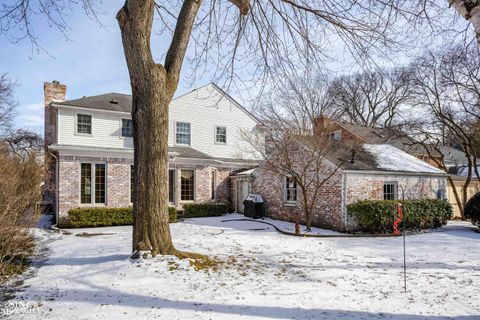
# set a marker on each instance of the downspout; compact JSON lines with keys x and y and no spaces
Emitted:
{"x":344,"y":199}
{"x":57,"y":163}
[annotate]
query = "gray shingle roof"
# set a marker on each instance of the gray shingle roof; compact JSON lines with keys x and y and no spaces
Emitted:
{"x":110,"y":101}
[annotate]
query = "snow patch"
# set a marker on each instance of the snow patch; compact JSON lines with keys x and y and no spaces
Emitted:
{"x":390,"y":158}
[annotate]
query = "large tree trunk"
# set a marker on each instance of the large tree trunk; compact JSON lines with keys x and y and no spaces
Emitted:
{"x":153,"y":86}
{"x":470,"y":11}
{"x":152,"y":93}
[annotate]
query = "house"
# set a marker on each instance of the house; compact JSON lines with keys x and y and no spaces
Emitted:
{"x":454,"y":159}
{"x":379,"y":171}
{"x":90,"y":147}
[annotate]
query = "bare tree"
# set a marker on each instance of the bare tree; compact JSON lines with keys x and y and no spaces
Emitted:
{"x":447,"y":96}
{"x":265,"y":35}
{"x":287,"y":144}
{"x":372,"y":99}
{"x":7,"y":103}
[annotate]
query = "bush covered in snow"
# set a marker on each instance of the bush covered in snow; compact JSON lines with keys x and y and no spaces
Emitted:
{"x":207,"y":209}
{"x":105,"y":217}
{"x":378,"y":216}
{"x":472,"y":209}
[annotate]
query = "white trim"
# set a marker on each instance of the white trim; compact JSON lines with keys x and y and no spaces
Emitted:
{"x":92,"y":202}
{"x":121,"y":128}
{"x":285,"y":187}
{"x":175,"y":136}
{"x":215,"y":135}
{"x":76,"y":124}
{"x":61,"y":106}
{"x":395,"y":189}
{"x":194,"y":185}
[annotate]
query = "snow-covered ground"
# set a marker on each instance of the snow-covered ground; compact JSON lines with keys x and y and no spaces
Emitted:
{"x":272,"y":276}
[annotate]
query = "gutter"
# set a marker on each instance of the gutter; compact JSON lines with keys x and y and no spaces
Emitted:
{"x":402,"y":173}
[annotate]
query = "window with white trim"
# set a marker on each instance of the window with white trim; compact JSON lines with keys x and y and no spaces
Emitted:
{"x":92,"y":182}
{"x":390,"y":191}
{"x":84,"y":124}
{"x":291,"y":190}
{"x":220,"y":135}
{"x":187,"y":185}
{"x":127,"y":128}
{"x":183,"y":133}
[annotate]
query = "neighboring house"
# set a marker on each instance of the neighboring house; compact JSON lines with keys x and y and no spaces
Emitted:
{"x":454,"y":159}
{"x":90,"y":147}
{"x":340,"y":130}
{"x":380,"y":171}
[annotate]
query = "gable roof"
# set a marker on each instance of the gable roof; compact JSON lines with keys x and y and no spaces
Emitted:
{"x":374,"y":157}
{"x":119,"y":102}
{"x":376,"y":135}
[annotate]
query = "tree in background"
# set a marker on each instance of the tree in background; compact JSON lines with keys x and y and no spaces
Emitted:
{"x":267,"y":36}
{"x":21,"y":176}
{"x":446,"y":96}
{"x":372,"y":98}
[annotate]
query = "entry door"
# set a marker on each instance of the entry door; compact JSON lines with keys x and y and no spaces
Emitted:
{"x":242,"y":193}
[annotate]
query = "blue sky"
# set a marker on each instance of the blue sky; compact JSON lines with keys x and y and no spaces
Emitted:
{"x":90,"y":62}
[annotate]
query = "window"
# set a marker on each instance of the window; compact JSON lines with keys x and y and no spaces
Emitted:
{"x":187,"y":185}
{"x":214,"y":183}
{"x":99,"y":183}
{"x":336,"y":135}
{"x":127,"y":128}
{"x":390,"y":190}
{"x":84,"y":124}
{"x":132,"y":183}
{"x":86,"y":183}
{"x":92,"y":182}
{"x":290,"y":190}
{"x":221,"y":135}
{"x":171,"y":186}
{"x":183,"y":133}
{"x":440,"y":194}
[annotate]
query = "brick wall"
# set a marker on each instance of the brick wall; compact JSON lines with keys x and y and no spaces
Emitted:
{"x":363,"y":186}
{"x":118,"y":182}
{"x":327,"y":212}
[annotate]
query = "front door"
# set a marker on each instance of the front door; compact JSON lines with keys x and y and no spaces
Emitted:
{"x":242,"y":193}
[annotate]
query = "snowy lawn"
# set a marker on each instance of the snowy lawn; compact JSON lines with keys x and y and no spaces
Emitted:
{"x":272,"y":276}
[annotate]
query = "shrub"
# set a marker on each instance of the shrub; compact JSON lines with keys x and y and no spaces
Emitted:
{"x":472,"y":209}
{"x":207,"y":209}
{"x":105,"y":217}
{"x":379,"y":215}
{"x":20,"y":195}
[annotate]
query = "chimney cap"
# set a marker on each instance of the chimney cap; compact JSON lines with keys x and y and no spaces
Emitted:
{"x":56,"y":82}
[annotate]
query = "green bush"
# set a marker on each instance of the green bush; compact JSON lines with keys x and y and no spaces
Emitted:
{"x":379,"y":215}
{"x":105,"y":217}
{"x":472,"y":209}
{"x":207,"y":209}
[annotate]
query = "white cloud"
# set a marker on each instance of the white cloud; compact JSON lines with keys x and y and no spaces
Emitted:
{"x":30,"y":115}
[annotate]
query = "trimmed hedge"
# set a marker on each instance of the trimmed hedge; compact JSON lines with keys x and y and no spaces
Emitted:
{"x":105,"y":217}
{"x":377,"y":216}
{"x":207,"y":209}
{"x":472,"y":209}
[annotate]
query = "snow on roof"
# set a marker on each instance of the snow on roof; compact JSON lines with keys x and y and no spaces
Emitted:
{"x":390,"y":158}
{"x":246,"y":172}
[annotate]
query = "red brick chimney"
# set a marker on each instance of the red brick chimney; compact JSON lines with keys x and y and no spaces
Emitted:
{"x":53,"y":92}
{"x":320,"y":124}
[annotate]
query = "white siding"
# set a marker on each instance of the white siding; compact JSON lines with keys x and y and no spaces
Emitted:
{"x":106,"y":129}
{"x":204,"y":109}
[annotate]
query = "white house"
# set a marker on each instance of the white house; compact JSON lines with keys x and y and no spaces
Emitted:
{"x":90,"y":147}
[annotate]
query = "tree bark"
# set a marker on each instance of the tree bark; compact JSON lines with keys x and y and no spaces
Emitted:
{"x":153,"y":86}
